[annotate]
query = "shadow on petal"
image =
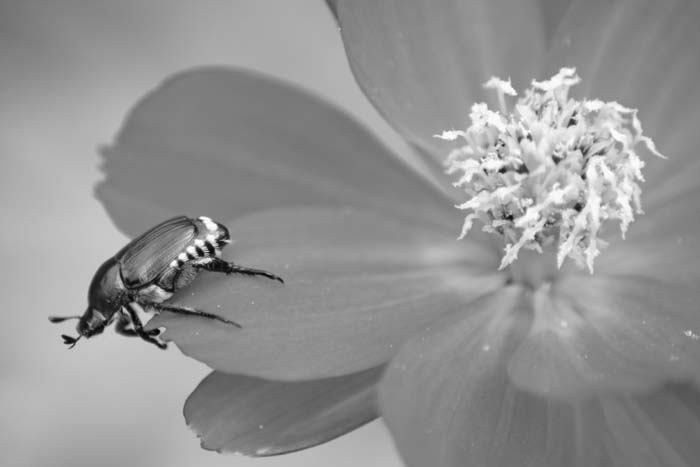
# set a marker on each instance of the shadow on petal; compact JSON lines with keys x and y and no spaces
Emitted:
{"x":257,"y":417}
{"x":225,"y":142}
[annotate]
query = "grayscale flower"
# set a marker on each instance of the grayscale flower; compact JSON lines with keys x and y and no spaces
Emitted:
{"x":480,"y":355}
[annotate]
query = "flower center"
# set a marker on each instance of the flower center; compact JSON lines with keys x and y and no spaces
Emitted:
{"x":548,"y":173}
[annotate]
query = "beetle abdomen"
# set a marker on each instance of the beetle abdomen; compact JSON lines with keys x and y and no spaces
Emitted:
{"x":211,"y":238}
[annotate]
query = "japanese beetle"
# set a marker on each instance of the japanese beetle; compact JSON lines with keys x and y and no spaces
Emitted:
{"x":148,"y":271}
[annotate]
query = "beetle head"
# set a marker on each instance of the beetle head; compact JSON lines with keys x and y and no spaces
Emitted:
{"x":91,"y":323}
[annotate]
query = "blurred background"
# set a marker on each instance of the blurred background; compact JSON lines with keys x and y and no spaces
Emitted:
{"x":70,"y":70}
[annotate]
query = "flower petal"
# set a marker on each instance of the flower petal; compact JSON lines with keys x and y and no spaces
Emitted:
{"x":224,"y":142}
{"x":444,"y":379}
{"x":448,"y":401}
{"x":257,"y":417}
{"x":423,"y":62}
{"x":597,"y":335}
{"x":642,"y":53}
{"x":663,"y":244}
{"x":357,"y":284}
{"x":667,"y":421}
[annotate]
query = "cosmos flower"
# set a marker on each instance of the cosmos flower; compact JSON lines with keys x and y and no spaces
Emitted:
{"x":542,"y":341}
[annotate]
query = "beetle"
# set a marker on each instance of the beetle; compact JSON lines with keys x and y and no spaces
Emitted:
{"x":148,"y":271}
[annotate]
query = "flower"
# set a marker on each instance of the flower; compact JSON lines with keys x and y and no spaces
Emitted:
{"x":530,"y":364}
{"x":552,"y":171}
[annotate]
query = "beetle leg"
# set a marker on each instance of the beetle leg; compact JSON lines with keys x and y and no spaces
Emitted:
{"x":125,"y":327}
{"x":219,"y":265}
{"x":140,"y":331}
{"x":188,"y":311}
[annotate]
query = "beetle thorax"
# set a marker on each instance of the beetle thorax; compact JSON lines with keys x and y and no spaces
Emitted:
{"x":107,"y":292}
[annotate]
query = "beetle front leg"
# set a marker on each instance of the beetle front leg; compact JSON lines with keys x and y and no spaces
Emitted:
{"x":219,"y":265}
{"x":190,"y":312}
{"x":140,"y":331}
{"x":125,"y":327}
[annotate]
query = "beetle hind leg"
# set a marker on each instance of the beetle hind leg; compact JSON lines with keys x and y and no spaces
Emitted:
{"x":219,"y":265}
{"x":190,"y":312}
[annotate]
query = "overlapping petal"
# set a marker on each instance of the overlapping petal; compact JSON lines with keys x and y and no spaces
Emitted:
{"x":225,"y":142}
{"x":358,"y":284}
{"x":448,"y":401}
{"x":602,"y":335}
{"x":257,"y":417}
{"x":422,"y":62}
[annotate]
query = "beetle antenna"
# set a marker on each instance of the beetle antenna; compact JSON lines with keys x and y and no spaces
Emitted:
{"x":70,"y":341}
{"x":60,"y":319}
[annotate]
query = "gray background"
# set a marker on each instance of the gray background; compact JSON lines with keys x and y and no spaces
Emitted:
{"x":69,"y":72}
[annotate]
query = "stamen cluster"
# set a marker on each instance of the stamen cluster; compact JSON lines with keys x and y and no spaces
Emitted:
{"x":551,"y":170}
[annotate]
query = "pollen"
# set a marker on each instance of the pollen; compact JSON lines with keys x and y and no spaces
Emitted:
{"x":550,"y":171}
